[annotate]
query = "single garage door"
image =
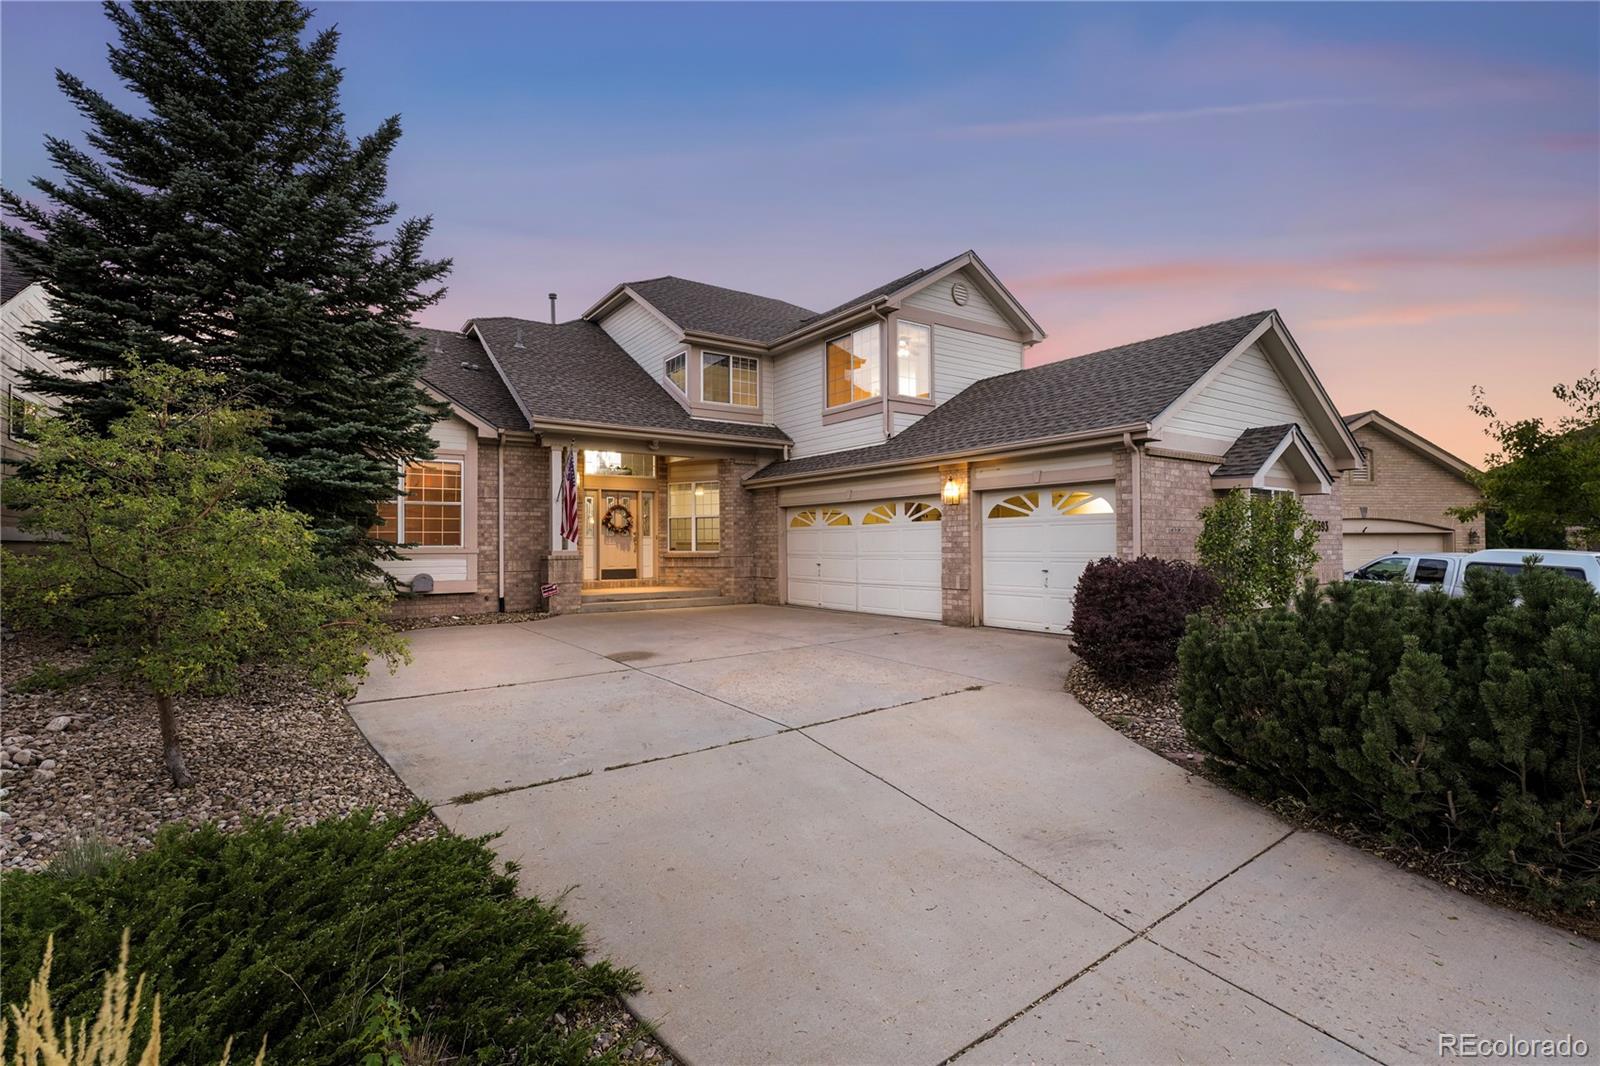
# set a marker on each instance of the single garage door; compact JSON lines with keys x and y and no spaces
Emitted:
{"x":1361,"y":548}
{"x":882,"y":557}
{"x":1036,"y":543}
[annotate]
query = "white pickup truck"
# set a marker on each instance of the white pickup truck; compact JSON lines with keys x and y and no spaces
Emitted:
{"x":1448,"y":570}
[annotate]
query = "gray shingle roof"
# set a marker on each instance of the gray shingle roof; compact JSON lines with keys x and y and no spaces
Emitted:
{"x":574,"y":372}
{"x":882,"y":290}
{"x":458,"y":367}
{"x":1254,"y":446}
{"x":1127,"y":385}
{"x":14,"y":276}
{"x":702,"y":308}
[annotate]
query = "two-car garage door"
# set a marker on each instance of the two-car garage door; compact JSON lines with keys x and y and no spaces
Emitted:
{"x":884,"y":556}
{"x":881,"y":557}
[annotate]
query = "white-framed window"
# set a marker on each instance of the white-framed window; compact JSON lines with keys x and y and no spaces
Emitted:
{"x":730,"y":379}
{"x":618,"y":464}
{"x":678,"y":371}
{"x":694,"y":516}
{"x":852,"y":369}
{"x":429,"y":512}
{"x":913,"y":360}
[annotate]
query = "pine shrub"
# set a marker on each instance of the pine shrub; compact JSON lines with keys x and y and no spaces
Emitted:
{"x":1469,"y":725}
{"x":287,"y":935}
{"x":1128,"y":614}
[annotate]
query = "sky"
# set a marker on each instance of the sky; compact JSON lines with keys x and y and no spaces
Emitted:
{"x":1416,"y":188}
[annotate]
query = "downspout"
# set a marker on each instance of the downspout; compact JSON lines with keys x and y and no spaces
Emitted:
{"x":500,"y":523}
{"x":1136,"y":475}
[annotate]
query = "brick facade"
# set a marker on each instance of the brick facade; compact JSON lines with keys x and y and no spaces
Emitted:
{"x":1406,"y":485}
{"x":1175,"y":491}
{"x":767,"y":536}
{"x":1172,"y":495}
{"x":734,"y":569}
{"x":527,"y":523}
{"x":955,"y":529}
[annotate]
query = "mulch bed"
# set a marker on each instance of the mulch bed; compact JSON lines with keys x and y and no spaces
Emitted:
{"x":275,"y":747}
{"x":1149,"y":714}
{"x":440,"y":621}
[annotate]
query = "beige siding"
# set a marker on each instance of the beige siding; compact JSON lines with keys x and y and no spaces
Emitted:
{"x":798,"y":398}
{"x":23,"y":310}
{"x":453,"y":438}
{"x":960,"y":358}
{"x":1248,"y":393}
{"x":936,"y":297}
{"x":904,"y":420}
{"x":642,"y":335}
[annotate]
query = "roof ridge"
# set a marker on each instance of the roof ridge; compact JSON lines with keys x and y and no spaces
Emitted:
{"x":1130,"y":344}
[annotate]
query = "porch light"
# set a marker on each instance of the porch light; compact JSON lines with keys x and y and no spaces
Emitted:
{"x":952,"y":491}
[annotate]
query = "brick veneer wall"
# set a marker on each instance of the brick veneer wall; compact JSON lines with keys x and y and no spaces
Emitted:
{"x":734,"y":570}
{"x":1175,"y":491}
{"x":1411,"y":488}
{"x":767,"y":534}
{"x":527,"y":521}
{"x":955,"y":531}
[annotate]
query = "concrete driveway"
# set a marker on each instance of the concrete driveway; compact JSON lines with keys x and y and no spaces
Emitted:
{"x":838,"y":838}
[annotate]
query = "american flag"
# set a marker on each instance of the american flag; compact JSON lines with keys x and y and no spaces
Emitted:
{"x":569,"y":497}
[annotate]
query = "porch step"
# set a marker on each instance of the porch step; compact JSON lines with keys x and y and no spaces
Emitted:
{"x":644,"y":592}
{"x":593,"y":604}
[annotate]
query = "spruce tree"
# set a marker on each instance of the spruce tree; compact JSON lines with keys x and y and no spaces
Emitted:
{"x":231,"y":224}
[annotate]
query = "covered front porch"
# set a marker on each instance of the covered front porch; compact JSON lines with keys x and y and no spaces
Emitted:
{"x":653,"y":526}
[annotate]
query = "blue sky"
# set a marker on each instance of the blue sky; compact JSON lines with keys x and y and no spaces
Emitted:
{"x":1414,"y":186}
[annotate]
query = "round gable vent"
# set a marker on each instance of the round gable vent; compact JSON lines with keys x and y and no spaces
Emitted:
{"x":958,"y":293}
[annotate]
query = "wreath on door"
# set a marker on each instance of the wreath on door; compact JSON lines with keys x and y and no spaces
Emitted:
{"x":618,"y":520}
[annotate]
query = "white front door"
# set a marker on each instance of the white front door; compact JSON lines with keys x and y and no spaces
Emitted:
{"x":882,"y":557}
{"x":1036,"y":543}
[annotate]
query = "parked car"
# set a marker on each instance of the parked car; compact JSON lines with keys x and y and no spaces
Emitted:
{"x":1585,"y":566}
{"x":1442,"y":569}
{"x":1449,"y":570}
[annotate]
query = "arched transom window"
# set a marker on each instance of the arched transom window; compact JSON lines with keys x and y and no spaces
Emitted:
{"x":1062,"y":501}
{"x":824,"y":517}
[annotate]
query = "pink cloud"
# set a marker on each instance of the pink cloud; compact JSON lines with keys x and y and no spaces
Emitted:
{"x":1418,"y":314}
{"x":1338,"y":272}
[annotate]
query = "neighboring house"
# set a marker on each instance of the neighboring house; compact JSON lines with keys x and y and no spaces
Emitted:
{"x":888,"y":455}
{"x":23,"y":302}
{"x":1396,"y":500}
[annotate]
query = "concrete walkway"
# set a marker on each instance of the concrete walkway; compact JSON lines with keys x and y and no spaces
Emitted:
{"x":837,"y":838}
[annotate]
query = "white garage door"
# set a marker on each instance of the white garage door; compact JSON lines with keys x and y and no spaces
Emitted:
{"x":881,"y":557}
{"x":1362,"y":548}
{"x":1036,"y":543}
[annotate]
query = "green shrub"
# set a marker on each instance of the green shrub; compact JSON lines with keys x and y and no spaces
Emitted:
{"x":288,"y":935}
{"x":1468,"y":724}
{"x":1260,"y":547}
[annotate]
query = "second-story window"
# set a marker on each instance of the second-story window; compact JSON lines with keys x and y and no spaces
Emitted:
{"x":731,"y":379}
{"x":678,"y":371}
{"x":853,"y":367}
{"x":913,"y":360}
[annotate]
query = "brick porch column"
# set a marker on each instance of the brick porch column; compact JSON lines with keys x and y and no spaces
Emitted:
{"x":955,"y":530}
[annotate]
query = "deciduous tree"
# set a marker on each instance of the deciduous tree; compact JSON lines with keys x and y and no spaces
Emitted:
{"x":171,"y":556}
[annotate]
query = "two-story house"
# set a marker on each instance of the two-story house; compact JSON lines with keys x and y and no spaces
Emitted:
{"x":890,"y":454}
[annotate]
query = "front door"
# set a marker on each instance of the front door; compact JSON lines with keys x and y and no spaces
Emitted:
{"x":619,"y":535}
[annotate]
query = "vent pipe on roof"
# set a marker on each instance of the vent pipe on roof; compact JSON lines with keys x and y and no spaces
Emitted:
{"x":552,"y":309}
{"x":518,"y":342}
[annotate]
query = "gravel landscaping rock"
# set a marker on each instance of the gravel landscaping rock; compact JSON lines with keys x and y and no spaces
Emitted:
{"x":440,"y":621}
{"x":85,"y":761}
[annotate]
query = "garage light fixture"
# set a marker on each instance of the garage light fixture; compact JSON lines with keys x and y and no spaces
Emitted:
{"x":953,"y":491}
